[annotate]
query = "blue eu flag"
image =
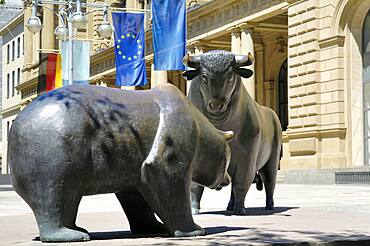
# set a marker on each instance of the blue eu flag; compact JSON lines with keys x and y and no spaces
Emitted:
{"x":169,"y":34}
{"x":129,"y":38}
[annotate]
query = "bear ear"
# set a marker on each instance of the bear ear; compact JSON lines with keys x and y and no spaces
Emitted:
{"x":244,"y":72}
{"x":190,"y":74}
{"x":227,"y":135}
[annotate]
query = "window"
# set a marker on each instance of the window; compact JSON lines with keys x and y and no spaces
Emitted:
{"x":283,"y":96}
{"x":7,"y":129}
{"x":7,"y":85}
{"x":13,"y":50}
{"x":13,"y":83}
{"x":23,"y":44}
{"x":366,"y":86}
{"x":8,"y":53}
{"x":18,"y":77}
{"x":18,"y":47}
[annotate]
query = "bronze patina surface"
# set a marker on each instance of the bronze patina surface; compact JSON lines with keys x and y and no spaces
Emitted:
{"x":144,"y":146}
{"x":218,"y":92}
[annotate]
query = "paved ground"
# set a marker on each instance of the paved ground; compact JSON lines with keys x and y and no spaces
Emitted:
{"x":304,"y":215}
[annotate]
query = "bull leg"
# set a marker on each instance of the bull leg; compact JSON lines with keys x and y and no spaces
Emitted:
{"x":231,"y":205}
{"x":196,"y":196}
{"x":139,"y":214}
{"x":268,"y":175}
{"x":244,"y":177}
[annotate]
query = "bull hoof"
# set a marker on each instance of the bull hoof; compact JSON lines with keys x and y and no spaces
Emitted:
{"x":269,"y":204}
{"x":240,"y":211}
{"x":64,"y":235}
{"x":194,"y":211}
{"x":230,"y":207}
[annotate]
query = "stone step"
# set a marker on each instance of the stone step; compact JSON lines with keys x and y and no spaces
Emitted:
{"x":280,"y":177}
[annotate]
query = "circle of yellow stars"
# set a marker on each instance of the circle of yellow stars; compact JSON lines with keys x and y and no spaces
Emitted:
{"x":140,"y":47}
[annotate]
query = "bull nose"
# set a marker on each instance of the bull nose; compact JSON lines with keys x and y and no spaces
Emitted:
{"x":216,"y":105}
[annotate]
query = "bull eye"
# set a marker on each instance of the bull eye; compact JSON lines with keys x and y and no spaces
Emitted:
{"x":205,"y":79}
{"x":231,"y":78}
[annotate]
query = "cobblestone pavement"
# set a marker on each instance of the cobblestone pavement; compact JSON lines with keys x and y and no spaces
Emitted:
{"x":304,"y":214}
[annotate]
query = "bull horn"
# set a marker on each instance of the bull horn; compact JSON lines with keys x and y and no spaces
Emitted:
{"x":242,"y":60}
{"x":192,"y":61}
{"x":228,"y":135}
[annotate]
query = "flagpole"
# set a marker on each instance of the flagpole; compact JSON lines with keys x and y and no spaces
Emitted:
{"x":70,"y":46}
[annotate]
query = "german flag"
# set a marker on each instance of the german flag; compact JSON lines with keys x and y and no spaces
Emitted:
{"x":53,"y":72}
{"x":50,"y":72}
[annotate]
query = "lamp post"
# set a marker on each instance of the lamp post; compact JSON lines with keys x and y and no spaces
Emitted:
{"x":71,"y":14}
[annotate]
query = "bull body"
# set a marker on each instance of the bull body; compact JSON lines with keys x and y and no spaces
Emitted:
{"x":218,"y":92}
{"x":143,"y":146}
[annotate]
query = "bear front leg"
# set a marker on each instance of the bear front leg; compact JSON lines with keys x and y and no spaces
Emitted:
{"x":139,"y":214}
{"x":168,"y":193}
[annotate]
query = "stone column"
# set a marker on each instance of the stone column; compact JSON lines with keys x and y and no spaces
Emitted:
{"x":28,"y":42}
{"x":47,"y":32}
{"x":235,"y":41}
{"x":130,"y":88}
{"x":191,"y":51}
{"x":130,"y":3}
{"x":157,"y":77}
{"x":247,"y":46}
{"x":259,"y":72}
{"x":195,"y":49}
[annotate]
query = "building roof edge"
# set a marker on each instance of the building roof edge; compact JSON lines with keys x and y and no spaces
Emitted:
{"x":17,"y":19}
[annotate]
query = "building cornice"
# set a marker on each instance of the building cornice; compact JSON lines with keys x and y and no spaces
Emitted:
{"x":10,"y":109}
{"x":11,"y":25}
{"x":337,"y":40}
{"x":29,"y":83}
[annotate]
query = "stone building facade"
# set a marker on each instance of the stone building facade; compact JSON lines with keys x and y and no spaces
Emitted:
{"x":12,"y":64}
{"x":311,"y":59}
{"x":7,"y":13}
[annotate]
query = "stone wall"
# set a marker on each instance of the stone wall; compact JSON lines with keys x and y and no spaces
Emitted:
{"x":317,"y":128}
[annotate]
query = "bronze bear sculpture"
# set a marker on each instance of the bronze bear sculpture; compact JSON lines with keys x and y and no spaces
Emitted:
{"x":144,"y":146}
{"x":218,"y":92}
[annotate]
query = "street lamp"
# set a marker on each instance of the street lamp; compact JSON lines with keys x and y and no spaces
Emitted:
{"x":34,"y":22}
{"x":61,"y":32}
{"x":78,"y":18}
{"x":105,"y":29}
{"x":75,"y":19}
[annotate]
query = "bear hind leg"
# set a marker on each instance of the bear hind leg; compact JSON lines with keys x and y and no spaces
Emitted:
{"x":56,"y":218}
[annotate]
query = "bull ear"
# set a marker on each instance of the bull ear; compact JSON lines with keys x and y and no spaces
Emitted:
{"x":191,"y":74}
{"x":244,"y":72}
{"x":227,"y":135}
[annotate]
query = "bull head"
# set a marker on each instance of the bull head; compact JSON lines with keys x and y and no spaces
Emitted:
{"x":240,"y":61}
{"x":217,"y":74}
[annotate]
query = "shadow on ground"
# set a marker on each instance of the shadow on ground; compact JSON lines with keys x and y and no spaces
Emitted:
{"x":127,"y":234}
{"x":223,"y":235}
{"x":255,"y":211}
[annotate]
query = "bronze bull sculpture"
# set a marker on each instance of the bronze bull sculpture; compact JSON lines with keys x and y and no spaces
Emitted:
{"x":145,"y":147}
{"x":217,"y":91}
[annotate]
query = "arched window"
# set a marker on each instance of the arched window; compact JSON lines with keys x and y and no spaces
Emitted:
{"x":283,"y":95}
{"x":366,"y":85}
